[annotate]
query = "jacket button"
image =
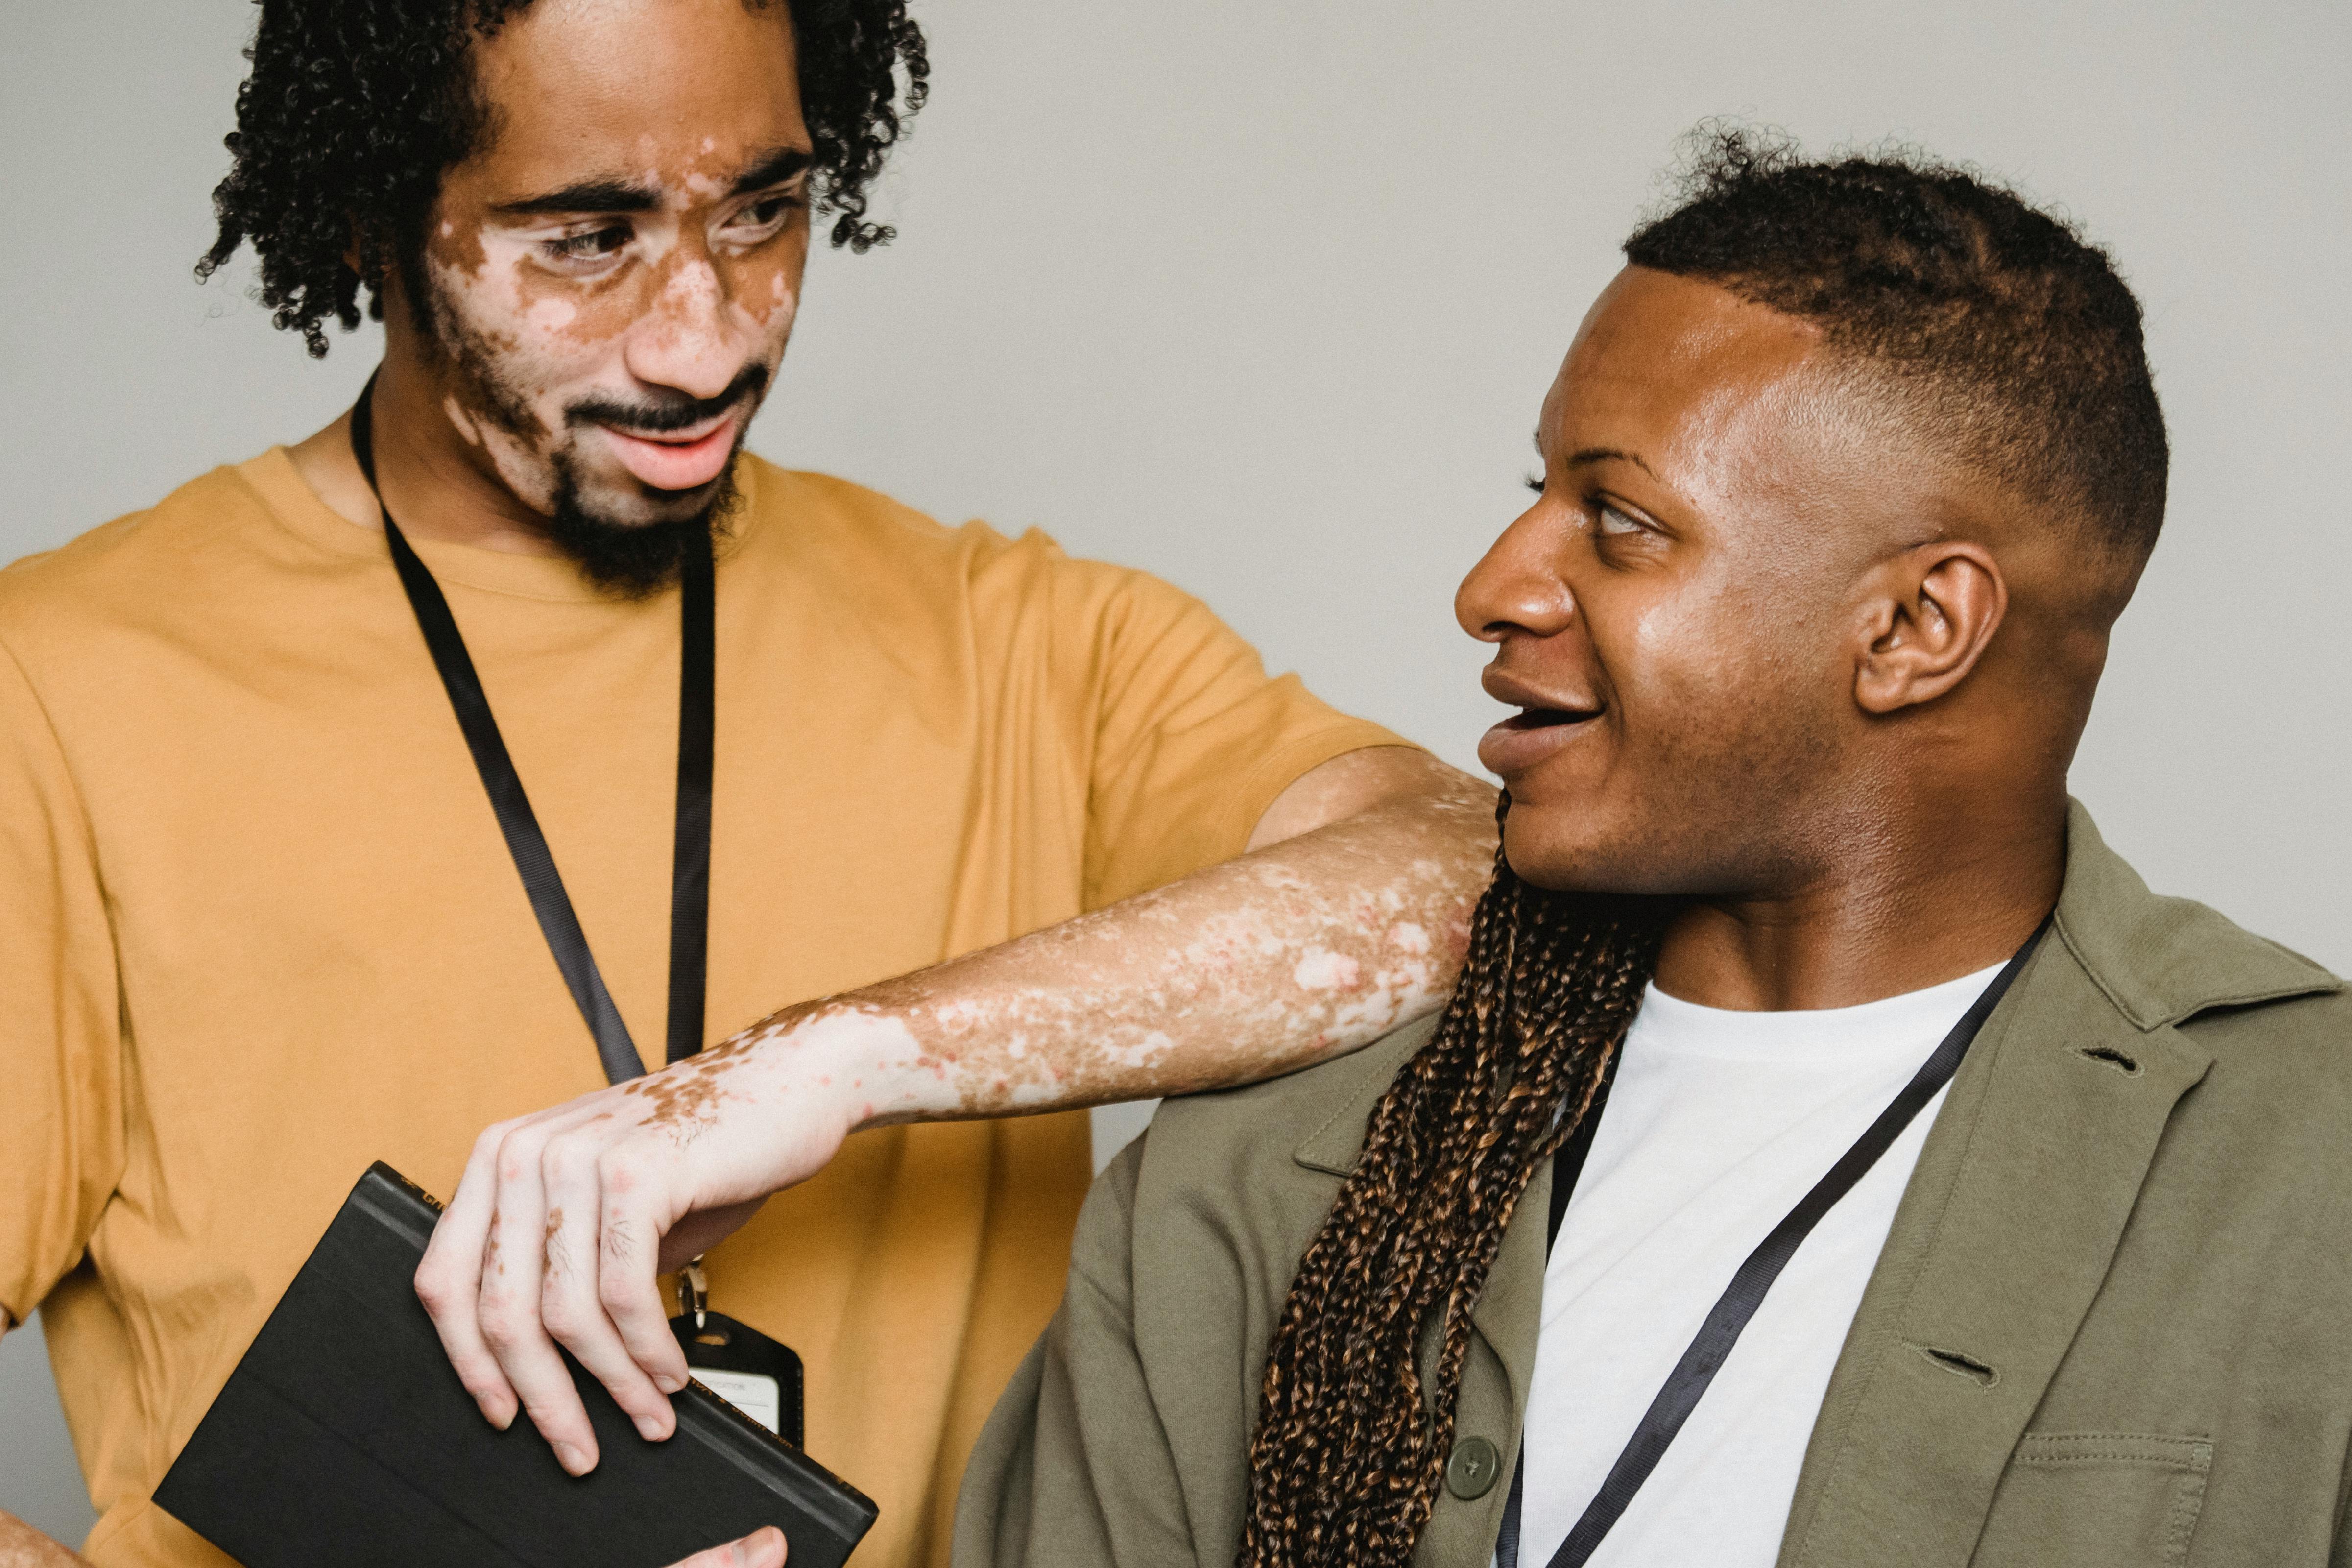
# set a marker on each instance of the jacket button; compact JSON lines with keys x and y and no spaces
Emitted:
{"x":1471,"y":1471}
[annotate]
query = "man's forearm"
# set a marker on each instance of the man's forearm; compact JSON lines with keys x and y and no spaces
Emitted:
{"x":22,"y":1546}
{"x":1255,"y":967}
{"x":1317,"y":942}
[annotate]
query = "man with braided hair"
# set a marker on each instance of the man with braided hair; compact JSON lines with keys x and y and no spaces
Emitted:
{"x":1833,"y":1154}
{"x":260,"y":925}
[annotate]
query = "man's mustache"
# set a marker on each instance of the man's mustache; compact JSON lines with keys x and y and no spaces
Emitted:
{"x":669,"y":411}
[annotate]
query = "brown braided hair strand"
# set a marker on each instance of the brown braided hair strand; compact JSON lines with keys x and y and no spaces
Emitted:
{"x":1344,"y":1464}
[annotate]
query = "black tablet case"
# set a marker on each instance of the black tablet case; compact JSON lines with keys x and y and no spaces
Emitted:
{"x":344,"y":1437}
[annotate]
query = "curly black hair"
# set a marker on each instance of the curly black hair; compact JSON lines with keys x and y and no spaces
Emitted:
{"x":354,"y":110}
{"x":2012,"y":338}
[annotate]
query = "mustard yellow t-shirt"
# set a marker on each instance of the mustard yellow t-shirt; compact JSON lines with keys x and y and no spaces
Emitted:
{"x":257,"y":926}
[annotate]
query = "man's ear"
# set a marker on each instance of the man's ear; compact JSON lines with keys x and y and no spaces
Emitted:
{"x":1929,"y":613}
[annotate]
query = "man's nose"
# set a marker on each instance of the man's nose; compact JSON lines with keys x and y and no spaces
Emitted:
{"x":1517,"y":586}
{"x":688,"y":339}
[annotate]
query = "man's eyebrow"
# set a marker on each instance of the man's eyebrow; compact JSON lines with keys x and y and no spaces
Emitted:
{"x":589,"y":196}
{"x":1603,"y":454}
{"x":774,"y":169}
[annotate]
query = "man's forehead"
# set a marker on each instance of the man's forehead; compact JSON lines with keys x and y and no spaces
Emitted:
{"x":674,"y":93}
{"x":1661,"y":361}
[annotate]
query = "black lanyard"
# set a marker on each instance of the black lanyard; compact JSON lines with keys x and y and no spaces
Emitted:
{"x":690,"y":908}
{"x":1739,"y":1302}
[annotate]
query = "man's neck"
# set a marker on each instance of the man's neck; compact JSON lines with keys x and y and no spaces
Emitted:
{"x":437,"y":487}
{"x":1939,"y":898}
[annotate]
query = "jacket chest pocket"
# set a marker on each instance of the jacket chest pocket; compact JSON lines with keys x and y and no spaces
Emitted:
{"x":2095,"y":1500}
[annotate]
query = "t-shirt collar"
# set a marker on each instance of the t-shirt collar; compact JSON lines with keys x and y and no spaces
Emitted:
{"x":297,"y":507}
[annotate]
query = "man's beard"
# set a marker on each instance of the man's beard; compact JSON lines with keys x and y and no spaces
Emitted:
{"x":627,"y":560}
{"x":633,"y":560}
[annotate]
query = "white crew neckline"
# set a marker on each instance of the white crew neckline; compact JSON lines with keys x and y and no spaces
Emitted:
{"x":1675,"y":1027}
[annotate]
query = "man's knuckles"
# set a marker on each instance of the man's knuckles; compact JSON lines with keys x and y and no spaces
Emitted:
{"x":563,"y":1319}
{"x":509,"y":1321}
{"x":621,"y":1170}
{"x":438,"y":1287}
{"x":568,"y":1159}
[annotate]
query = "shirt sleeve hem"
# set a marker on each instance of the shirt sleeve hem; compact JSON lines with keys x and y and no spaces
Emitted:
{"x":1284,"y":765}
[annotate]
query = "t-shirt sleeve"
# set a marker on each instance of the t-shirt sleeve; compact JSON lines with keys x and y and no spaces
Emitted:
{"x":1192,"y":740}
{"x":60,"y":1041}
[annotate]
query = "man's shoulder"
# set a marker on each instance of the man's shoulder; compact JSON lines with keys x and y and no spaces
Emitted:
{"x":1272,"y":1150}
{"x":2164,"y":961}
{"x":114,"y":569}
{"x":804,"y":510}
{"x":887,"y":550}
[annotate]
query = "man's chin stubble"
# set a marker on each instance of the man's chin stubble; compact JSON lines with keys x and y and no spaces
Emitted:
{"x":636,"y":560}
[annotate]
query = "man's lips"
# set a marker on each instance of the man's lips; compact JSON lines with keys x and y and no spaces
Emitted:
{"x":1522,"y":740}
{"x":1547,"y":723}
{"x":676,"y":459}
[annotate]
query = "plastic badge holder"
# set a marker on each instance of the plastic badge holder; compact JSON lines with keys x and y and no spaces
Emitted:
{"x":344,"y":1437}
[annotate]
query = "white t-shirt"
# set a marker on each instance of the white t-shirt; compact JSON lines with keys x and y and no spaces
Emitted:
{"x":1718,"y":1123}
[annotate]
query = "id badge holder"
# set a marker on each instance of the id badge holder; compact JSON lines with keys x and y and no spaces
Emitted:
{"x":736,"y":1362}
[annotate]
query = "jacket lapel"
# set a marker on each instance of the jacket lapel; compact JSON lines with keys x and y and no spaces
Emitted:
{"x":2003,"y":1236}
{"x":1508,"y":1315}
{"x":1507,"y":1318}
{"x":2015,"y":1211}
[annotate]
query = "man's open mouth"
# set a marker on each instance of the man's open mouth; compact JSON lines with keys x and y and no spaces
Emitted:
{"x":1535,"y":734}
{"x":676,"y":459}
{"x":1546,"y":718}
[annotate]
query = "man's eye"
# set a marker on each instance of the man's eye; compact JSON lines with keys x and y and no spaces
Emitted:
{"x":769,"y":211}
{"x":1613,"y":521}
{"x":591,"y":245}
{"x":1535,"y":483}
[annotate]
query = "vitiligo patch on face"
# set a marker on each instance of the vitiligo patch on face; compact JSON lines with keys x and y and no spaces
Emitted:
{"x":551,"y":315}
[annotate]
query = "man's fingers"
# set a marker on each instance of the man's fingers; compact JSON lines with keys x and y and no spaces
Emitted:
{"x":627,"y":1241}
{"x":449,"y":1282}
{"x":570,"y":1300}
{"x":764,"y":1549}
{"x":512,"y":1273}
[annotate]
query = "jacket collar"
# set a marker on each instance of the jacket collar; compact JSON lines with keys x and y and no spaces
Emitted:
{"x":2164,"y":961}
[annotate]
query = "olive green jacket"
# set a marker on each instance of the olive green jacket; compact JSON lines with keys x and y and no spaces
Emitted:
{"x":2111,"y":1323}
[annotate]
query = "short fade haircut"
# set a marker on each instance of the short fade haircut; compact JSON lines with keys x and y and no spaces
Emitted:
{"x":356,"y":109}
{"x":2016,"y":343}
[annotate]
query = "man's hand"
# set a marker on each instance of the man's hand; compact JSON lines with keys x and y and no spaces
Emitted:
{"x":562,"y":1220}
{"x":764,"y":1549}
{"x":1347,"y":917}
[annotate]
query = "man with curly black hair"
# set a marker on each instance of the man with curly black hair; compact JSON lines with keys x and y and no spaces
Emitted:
{"x":259,"y":924}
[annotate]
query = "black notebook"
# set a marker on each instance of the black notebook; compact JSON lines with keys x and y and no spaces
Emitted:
{"x":344,"y":1437}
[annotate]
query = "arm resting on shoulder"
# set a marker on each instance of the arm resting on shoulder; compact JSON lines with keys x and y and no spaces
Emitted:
{"x":1348,"y":916}
{"x":22,"y":1546}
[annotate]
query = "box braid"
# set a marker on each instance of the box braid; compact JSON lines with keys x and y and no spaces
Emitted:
{"x":1346,"y":1461}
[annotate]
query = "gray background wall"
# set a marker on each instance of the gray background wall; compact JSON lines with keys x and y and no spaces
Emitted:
{"x":1263,"y":294}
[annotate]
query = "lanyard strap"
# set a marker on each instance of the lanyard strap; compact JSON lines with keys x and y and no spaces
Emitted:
{"x":690,"y":910}
{"x":1729,"y":1315}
